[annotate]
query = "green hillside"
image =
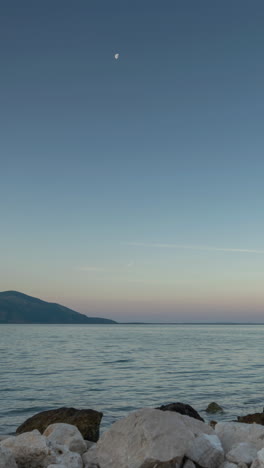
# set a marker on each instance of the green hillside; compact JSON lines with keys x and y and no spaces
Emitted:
{"x":16,"y":307}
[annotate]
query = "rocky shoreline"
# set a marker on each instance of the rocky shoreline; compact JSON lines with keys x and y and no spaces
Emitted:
{"x":172,"y":436}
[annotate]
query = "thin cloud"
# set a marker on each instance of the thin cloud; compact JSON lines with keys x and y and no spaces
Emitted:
{"x":193,"y":247}
{"x":95,"y":269}
{"x":92,"y":269}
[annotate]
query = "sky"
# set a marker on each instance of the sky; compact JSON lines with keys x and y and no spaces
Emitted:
{"x":132,"y":189}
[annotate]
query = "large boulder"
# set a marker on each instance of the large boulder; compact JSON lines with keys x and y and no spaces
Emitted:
{"x":30,"y":450}
{"x":181,"y":408}
{"x":148,"y":438}
{"x":86,"y":420}
{"x":7,"y":459}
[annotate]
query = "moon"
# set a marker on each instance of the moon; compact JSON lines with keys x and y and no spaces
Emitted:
{"x":116,"y":56}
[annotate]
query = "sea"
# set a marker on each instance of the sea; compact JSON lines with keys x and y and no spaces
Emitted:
{"x":117,"y":369}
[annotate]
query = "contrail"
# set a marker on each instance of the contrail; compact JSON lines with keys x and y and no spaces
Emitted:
{"x":193,"y":247}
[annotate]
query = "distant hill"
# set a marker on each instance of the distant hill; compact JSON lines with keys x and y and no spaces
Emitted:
{"x":16,"y":307}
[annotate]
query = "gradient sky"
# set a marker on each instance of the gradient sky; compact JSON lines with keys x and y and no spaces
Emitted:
{"x":133,"y":188}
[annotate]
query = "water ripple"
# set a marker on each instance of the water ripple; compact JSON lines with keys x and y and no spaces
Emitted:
{"x":116,"y":369}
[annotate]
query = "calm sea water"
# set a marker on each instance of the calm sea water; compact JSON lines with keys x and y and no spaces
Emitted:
{"x":120,"y":368}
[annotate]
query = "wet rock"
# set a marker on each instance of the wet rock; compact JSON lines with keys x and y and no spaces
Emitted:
{"x":257,"y":418}
{"x":181,"y":408}
{"x":66,"y":434}
{"x":30,"y":450}
{"x":148,"y":438}
{"x":206,"y":450}
{"x":7,"y":459}
{"x":214,"y":408}
{"x":86,"y":420}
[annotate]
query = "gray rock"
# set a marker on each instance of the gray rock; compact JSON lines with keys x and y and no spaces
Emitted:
{"x":61,"y":455}
{"x":243,"y":452}
{"x":7,"y":459}
{"x":189,"y":464}
{"x":70,"y":459}
{"x":55,"y":465}
{"x":66,"y":434}
{"x":206,"y":450}
{"x":256,"y":464}
{"x":30,"y":449}
{"x":227,"y":464}
{"x":233,"y":433}
{"x":259,"y":461}
{"x":90,"y":459}
{"x":89,"y":444}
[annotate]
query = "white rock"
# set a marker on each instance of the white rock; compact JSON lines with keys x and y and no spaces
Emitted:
{"x":148,"y":436}
{"x":7,"y":459}
{"x":90,"y":459}
{"x":226,"y":464}
{"x":206,"y":450}
{"x":30,"y":449}
{"x":260,"y":456}
{"x":55,"y":465}
{"x":70,"y":460}
{"x":7,"y":438}
{"x":232,"y":433}
{"x":63,"y":456}
{"x":189,"y":464}
{"x":243,"y":452}
{"x":89,"y":444}
{"x":259,"y":461}
{"x":66,"y":434}
{"x":257,"y":464}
